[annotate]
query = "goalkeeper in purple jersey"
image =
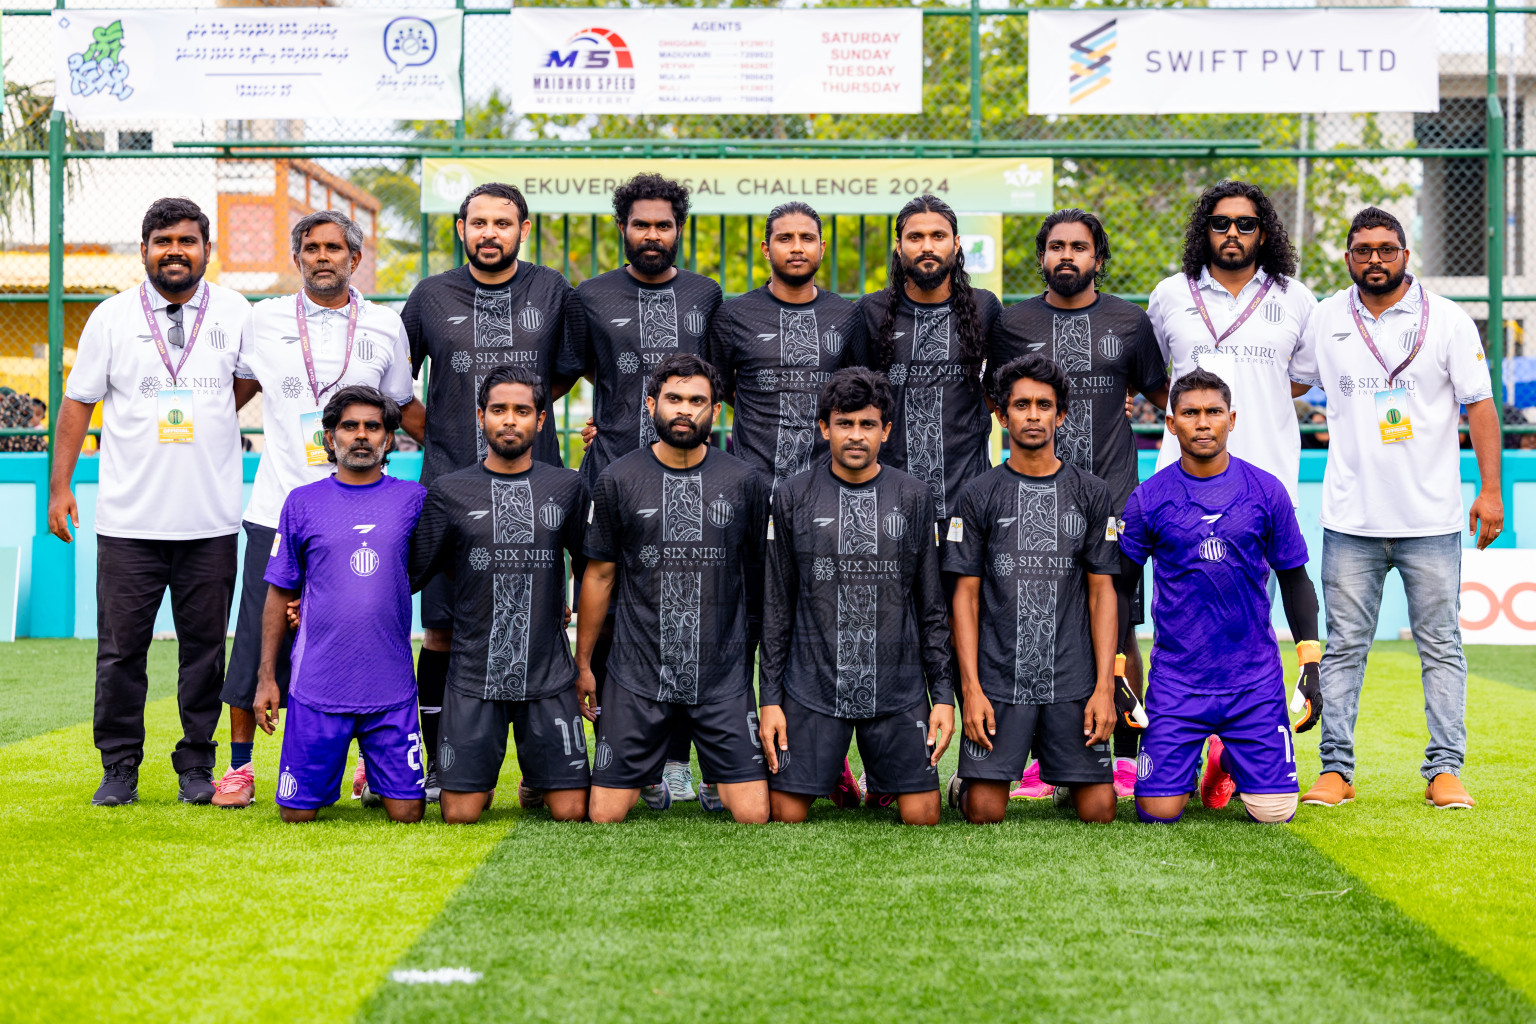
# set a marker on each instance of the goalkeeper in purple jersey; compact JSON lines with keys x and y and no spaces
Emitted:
{"x":1214,"y":526}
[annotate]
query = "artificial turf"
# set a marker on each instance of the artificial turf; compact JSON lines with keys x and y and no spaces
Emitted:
{"x":1382,"y":910}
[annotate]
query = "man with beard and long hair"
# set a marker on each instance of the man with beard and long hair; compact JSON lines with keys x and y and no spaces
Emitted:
{"x":342,"y":550}
{"x":501,"y":530}
{"x":496,"y":311}
{"x":927,"y":332}
{"x":161,"y":356}
{"x":777,"y":345}
{"x":677,"y":530}
{"x":1107,"y":349}
{"x":301,"y":347}
{"x":1398,"y":362}
{"x":1236,"y":309}
{"x":622,"y":324}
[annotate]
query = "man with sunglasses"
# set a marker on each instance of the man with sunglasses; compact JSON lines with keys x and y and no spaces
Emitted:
{"x":1236,"y":309}
{"x":1397,"y":363}
{"x":303,"y":349}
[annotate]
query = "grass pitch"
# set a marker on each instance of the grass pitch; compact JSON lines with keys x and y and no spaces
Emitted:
{"x":1382,"y":910}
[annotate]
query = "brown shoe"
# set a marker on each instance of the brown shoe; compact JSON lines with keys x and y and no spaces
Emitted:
{"x":1329,"y":790}
{"x":1446,"y":791}
{"x":236,"y":789}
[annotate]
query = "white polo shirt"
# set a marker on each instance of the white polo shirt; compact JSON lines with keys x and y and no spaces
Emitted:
{"x":1258,"y":361}
{"x":381,"y":358}
{"x":1409,"y":487}
{"x":152,"y":489}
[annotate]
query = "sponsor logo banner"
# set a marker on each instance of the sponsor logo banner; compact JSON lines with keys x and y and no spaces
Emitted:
{"x":717,"y":61}
{"x":1324,"y":60}
{"x":992,"y":185}
{"x":254,"y":62}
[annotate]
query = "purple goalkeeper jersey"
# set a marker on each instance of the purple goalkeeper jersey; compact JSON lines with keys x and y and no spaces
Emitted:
{"x":1212,"y":542}
{"x":347,"y":549}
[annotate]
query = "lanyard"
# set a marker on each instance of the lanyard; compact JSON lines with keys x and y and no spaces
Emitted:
{"x":309,"y":355}
{"x":1418,"y":343}
{"x":154,"y":330}
{"x":1194,"y":291}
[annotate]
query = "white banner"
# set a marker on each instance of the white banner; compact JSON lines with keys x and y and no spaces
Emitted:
{"x":1498,"y":596}
{"x":258,"y":62}
{"x":1329,"y":60}
{"x":716,"y":61}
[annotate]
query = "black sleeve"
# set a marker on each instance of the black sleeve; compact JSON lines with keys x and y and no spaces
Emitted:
{"x":575,"y":356}
{"x":604,"y":541}
{"x":856,"y":348}
{"x":932,"y":609}
{"x":1145,"y":370}
{"x":411,"y":317}
{"x":966,"y":546}
{"x":781,"y":586}
{"x":573,"y":531}
{"x":1299,"y":598}
{"x":1101,"y":553}
{"x":432,"y":545}
{"x":752,"y":557}
{"x":719,"y":353}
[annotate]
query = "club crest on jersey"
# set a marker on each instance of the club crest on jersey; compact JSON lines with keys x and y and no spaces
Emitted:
{"x":365,"y":561}
{"x":1273,"y":312}
{"x":695,"y":322}
{"x":628,"y":362}
{"x":217,"y":338}
{"x":461,"y":362}
{"x":783,"y":759}
{"x":832,"y":340}
{"x":1143,"y":765}
{"x":444,"y":755}
{"x":363,"y":348}
{"x":529,"y":318}
{"x":1408,"y":338}
{"x":603,"y":756}
{"x":479,"y":559}
{"x":975,"y":751}
{"x":1346,"y":385}
{"x":721,"y":512}
{"x":551,"y":515}
{"x":1073,"y":524}
{"x":1213,"y":549}
{"x":1110,"y":346}
{"x":895,"y":525}
{"x":287,"y":786}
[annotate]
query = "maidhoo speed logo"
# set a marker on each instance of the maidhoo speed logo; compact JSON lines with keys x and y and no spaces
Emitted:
{"x":594,"y":66}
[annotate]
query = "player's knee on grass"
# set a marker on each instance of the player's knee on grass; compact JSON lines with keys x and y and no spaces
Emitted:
{"x":566,"y":804}
{"x":791,"y":808}
{"x":404,"y":812}
{"x":1270,"y":808}
{"x":461,"y":808}
{"x":1095,"y":804}
{"x":610,"y":806}
{"x":1160,"y":810}
{"x":919,"y":808}
{"x":295,"y":815}
{"x":747,"y":801}
{"x":984,"y":801}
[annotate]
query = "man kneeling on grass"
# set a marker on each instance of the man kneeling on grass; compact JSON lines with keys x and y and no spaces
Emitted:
{"x":343,"y":550}
{"x":854,"y":618}
{"x":1214,"y":527}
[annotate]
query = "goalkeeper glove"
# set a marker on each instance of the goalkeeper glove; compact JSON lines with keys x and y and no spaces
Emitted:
{"x":1307,"y":698}
{"x":1126,"y":702}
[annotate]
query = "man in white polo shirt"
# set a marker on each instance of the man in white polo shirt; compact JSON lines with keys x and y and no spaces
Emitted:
{"x":300,"y":349}
{"x":1398,"y":363}
{"x":161,"y":356}
{"x":1237,"y":310}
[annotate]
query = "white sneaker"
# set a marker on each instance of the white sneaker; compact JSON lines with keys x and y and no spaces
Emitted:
{"x":677,"y":776}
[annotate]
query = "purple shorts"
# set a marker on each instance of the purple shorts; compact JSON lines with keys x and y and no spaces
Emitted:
{"x":1253,"y":726}
{"x":315,"y":754}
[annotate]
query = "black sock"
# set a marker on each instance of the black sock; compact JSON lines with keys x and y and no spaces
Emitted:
{"x":1126,"y":740}
{"x":431,"y":680}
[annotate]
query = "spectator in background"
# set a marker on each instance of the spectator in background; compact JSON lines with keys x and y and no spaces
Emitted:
{"x":18,"y":409}
{"x":1318,"y":439}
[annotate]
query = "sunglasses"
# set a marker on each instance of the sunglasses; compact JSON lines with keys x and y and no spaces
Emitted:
{"x":1221,"y":224}
{"x":175,"y":335}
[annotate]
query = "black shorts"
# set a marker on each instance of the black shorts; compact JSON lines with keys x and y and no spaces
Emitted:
{"x":894,"y":749}
{"x":472,"y":743}
{"x":633,"y":733}
{"x":437,"y":603}
{"x":245,"y":654}
{"x":1052,"y":732}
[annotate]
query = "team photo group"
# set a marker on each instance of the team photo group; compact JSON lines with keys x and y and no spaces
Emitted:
{"x":843,"y":564}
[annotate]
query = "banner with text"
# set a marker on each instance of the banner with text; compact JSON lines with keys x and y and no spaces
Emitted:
{"x":752,"y":186}
{"x":716,"y":61}
{"x":1498,"y":596}
{"x":1330,"y":60}
{"x":258,"y":62}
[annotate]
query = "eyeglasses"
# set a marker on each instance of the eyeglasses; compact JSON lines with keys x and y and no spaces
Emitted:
{"x":175,"y":336}
{"x":1386,"y":253}
{"x":1221,"y":224}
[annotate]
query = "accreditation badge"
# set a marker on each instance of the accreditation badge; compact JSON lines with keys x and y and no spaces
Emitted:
{"x":313,"y":433}
{"x":1392,"y":415}
{"x":175,"y":415}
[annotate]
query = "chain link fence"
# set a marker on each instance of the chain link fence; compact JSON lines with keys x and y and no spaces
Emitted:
{"x":1318,"y":169}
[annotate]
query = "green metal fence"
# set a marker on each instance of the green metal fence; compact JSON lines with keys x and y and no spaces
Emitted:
{"x":1457,"y":178}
